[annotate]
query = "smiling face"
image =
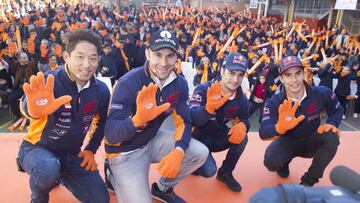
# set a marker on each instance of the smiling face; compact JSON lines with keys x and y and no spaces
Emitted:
{"x":293,"y":80}
{"x":161,"y":62}
{"x":231,"y":80}
{"x":82,"y":62}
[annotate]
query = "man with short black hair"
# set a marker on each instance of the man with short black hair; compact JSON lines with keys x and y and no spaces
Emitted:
{"x":51,"y":151}
{"x":220,"y":114}
{"x":142,"y":100}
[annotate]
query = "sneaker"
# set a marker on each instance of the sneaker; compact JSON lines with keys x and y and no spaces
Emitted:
{"x":356,"y":115}
{"x":343,"y":117}
{"x":284,"y":171}
{"x":229,"y":181}
{"x":107,"y":172}
{"x":167,"y":196}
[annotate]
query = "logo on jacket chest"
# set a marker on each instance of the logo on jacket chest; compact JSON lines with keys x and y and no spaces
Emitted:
{"x":230,"y":113}
{"x":312,"y":112}
{"x":90,"y":107}
{"x":172,"y":100}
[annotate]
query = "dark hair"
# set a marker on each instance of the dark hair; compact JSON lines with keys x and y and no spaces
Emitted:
{"x":74,"y":38}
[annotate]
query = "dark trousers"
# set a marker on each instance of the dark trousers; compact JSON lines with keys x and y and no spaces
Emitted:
{"x":14,"y":97}
{"x":218,"y":142}
{"x":254,"y":106}
{"x":321,"y":147}
{"x":343,"y":101}
{"x":357,"y":105}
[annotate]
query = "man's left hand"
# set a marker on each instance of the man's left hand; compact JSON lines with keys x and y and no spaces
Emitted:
{"x":169,"y":165}
{"x":89,"y":160}
{"x":326,"y":128}
{"x":237,"y":133}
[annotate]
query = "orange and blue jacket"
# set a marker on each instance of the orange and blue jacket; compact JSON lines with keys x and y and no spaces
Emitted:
{"x":120,"y":133}
{"x":317,"y":100}
{"x":233,"y":111}
{"x":66,"y":129}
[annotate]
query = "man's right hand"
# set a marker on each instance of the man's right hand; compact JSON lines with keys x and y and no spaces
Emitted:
{"x":287,"y":120}
{"x":146,"y":108}
{"x":40,"y":96}
{"x":214,"y":99}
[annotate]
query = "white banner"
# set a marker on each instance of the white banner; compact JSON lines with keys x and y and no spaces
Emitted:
{"x":345,"y":4}
{"x":253,"y":3}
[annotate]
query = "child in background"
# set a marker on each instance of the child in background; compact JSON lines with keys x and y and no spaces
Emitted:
{"x":260,"y":92}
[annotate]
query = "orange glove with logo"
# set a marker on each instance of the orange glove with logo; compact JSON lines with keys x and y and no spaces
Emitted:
{"x":146,"y":108}
{"x":287,"y":120}
{"x":214,"y":98}
{"x":326,"y":128}
{"x":89,"y":160}
{"x":170,"y":164}
{"x":237,"y":133}
{"x":40,"y":96}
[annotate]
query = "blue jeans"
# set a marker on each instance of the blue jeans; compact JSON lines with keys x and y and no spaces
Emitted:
{"x":130,"y":171}
{"x":46,"y":168}
{"x":217,"y":142}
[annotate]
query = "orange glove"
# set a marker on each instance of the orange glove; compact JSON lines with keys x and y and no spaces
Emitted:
{"x":237,"y":133}
{"x":170,"y":164}
{"x":214,"y":98}
{"x":58,"y":50}
{"x":274,"y":88}
{"x":287,"y":120}
{"x":4,"y":37}
{"x":89,"y":160}
{"x":12,"y":48}
{"x":31,"y":46}
{"x":43,"y":51}
{"x":146,"y":108}
{"x":326,"y":128}
{"x":40,"y":96}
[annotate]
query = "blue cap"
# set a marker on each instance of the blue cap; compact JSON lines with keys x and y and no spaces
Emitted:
{"x":236,"y":61}
{"x":289,"y":62}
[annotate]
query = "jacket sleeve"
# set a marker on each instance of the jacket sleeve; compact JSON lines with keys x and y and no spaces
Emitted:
{"x":197,"y":106}
{"x":333,"y":108}
{"x":98,"y":122}
{"x":182,"y":121}
{"x":269,"y":120}
{"x":244,"y":112}
{"x":119,"y":126}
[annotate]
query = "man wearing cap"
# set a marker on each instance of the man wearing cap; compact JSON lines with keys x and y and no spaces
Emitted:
{"x":292,"y":118}
{"x":142,"y":99}
{"x":220,"y":114}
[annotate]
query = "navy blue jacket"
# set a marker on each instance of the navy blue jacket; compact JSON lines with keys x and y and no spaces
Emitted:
{"x":326,"y":76}
{"x":120,"y":132}
{"x":233,"y":110}
{"x":317,"y":100}
{"x":66,"y":128}
{"x":343,"y":85}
